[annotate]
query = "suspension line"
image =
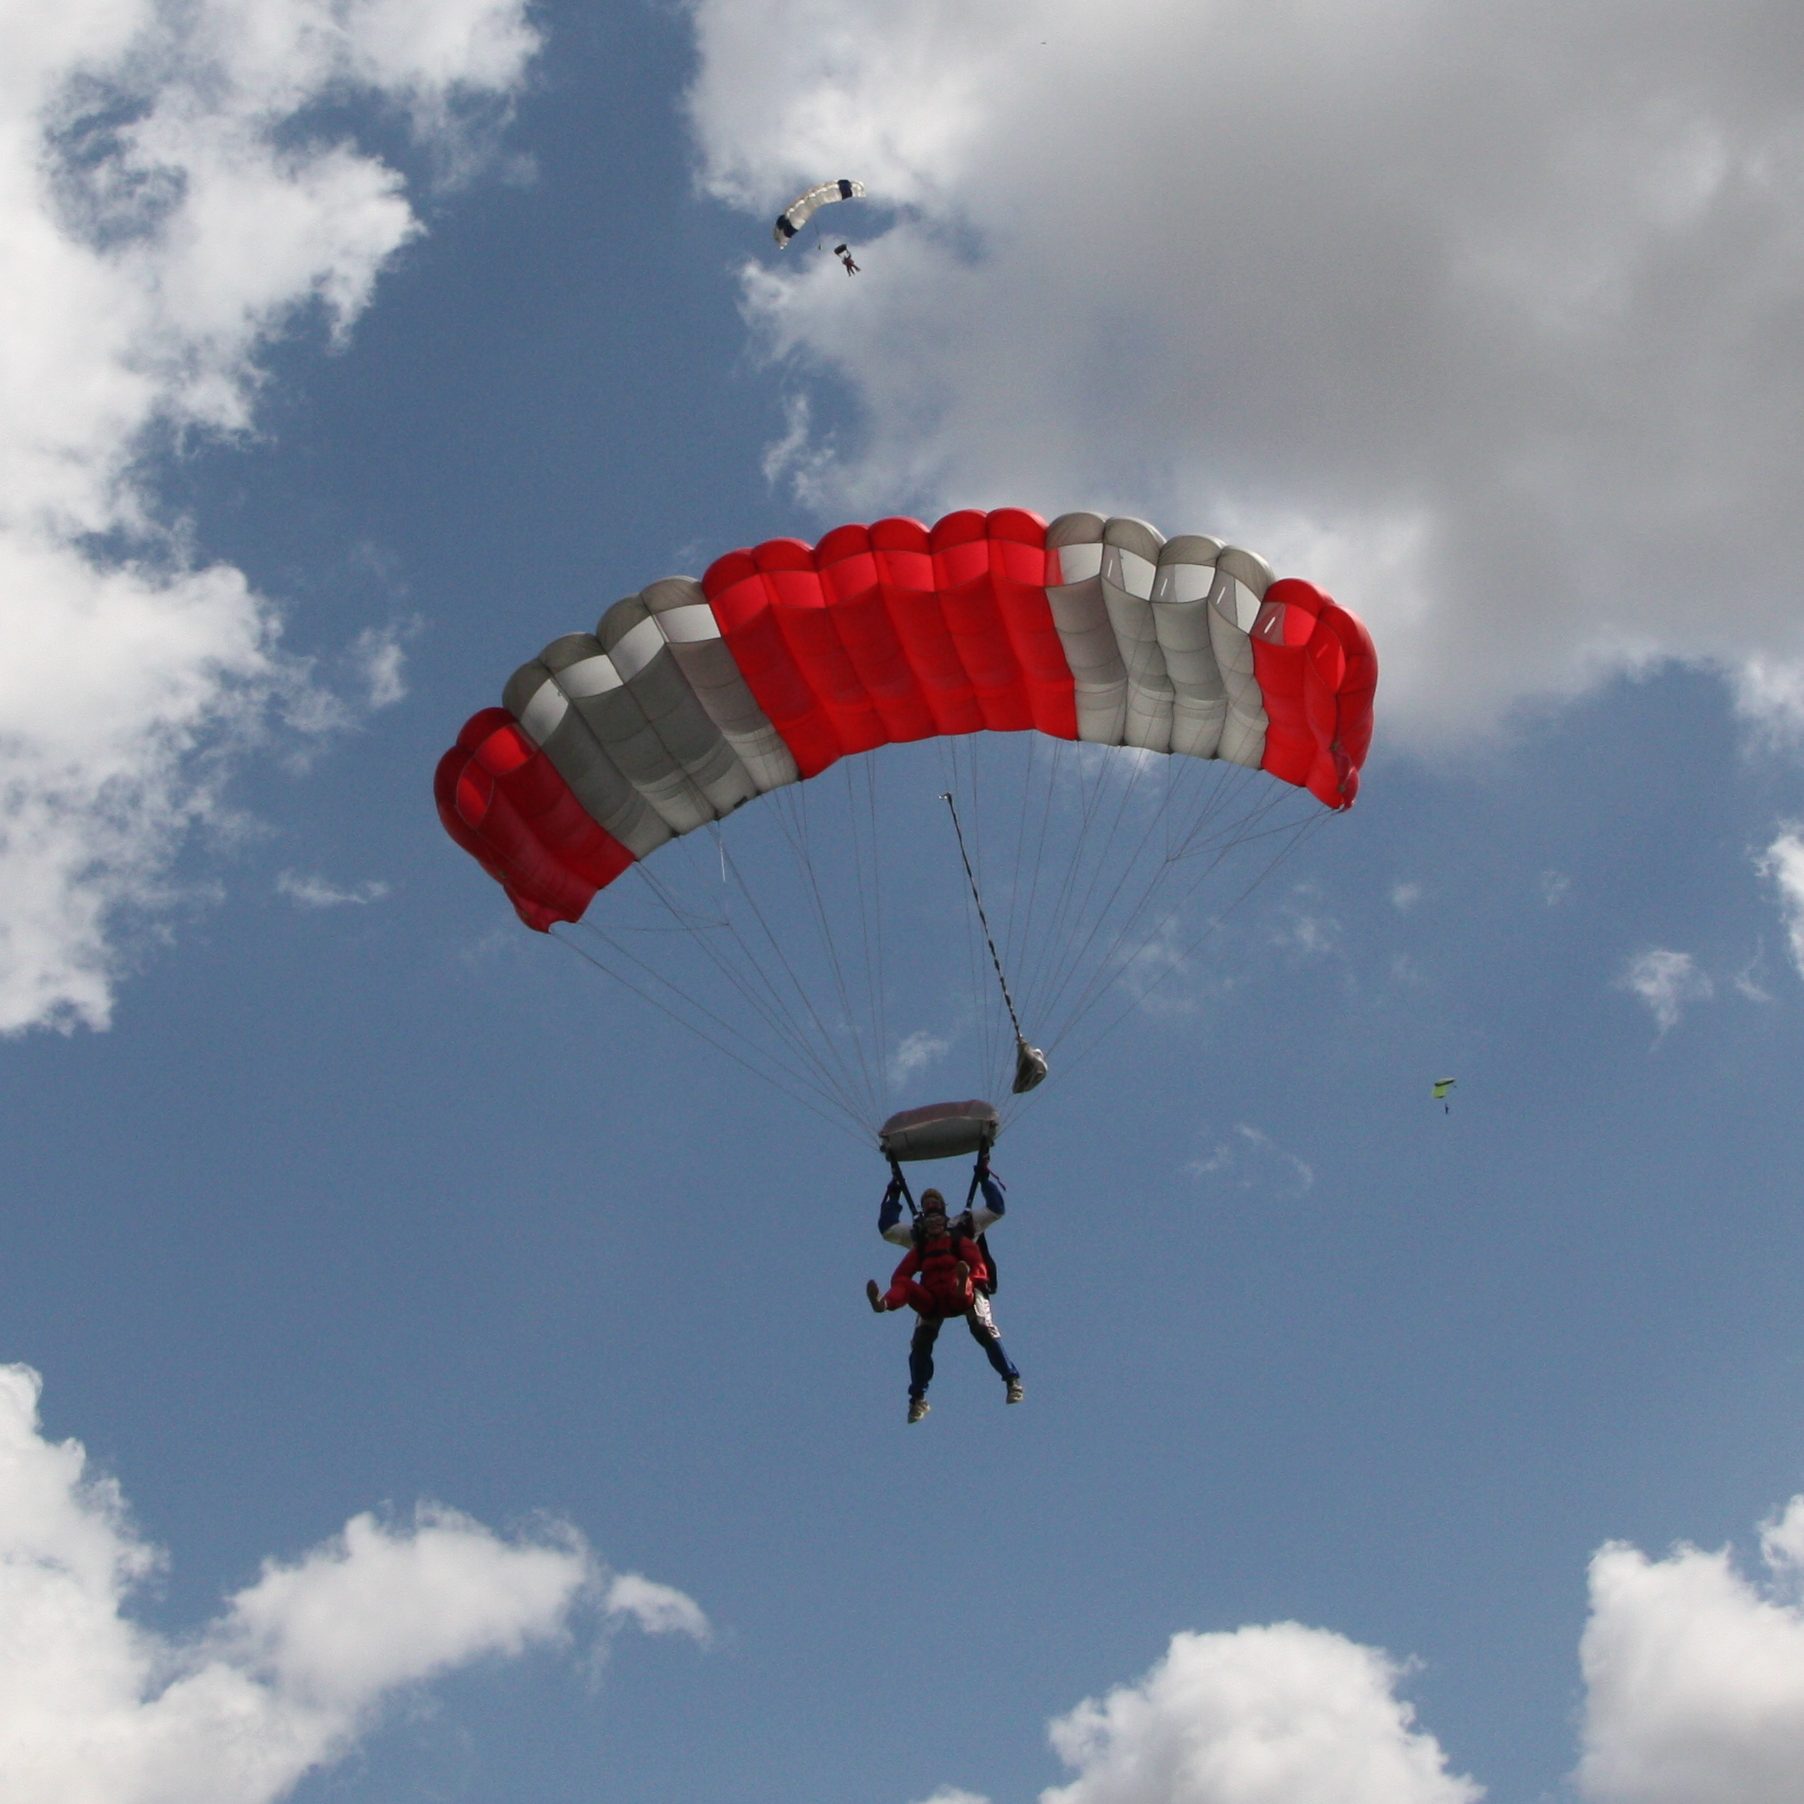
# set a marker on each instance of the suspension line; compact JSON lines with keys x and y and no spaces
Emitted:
{"x":1030,"y":1061}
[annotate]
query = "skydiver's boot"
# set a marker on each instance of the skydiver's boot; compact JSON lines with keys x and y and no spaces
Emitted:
{"x":873,"y":1294}
{"x":1016,"y":1391}
{"x":917,"y":1408}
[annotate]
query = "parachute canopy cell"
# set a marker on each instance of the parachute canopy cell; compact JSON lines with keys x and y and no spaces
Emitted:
{"x":803,"y":208}
{"x":692,"y":698}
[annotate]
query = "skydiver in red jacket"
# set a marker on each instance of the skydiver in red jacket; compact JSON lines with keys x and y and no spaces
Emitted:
{"x":943,"y":1275}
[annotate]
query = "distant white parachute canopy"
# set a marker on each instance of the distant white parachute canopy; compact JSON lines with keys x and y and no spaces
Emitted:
{"x":803,"y":208}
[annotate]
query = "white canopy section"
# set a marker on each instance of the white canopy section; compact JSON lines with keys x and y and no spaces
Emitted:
{"x":804,"y":207}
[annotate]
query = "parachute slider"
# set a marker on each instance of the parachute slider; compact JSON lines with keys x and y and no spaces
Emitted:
{"x":1030,"y":1068}
{"x":940,"y":1130}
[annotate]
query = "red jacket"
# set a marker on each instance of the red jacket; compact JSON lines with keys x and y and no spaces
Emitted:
{"x":936,"y":1264}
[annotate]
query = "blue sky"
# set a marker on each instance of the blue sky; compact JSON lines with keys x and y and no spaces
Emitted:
{"x":430,"y":1373}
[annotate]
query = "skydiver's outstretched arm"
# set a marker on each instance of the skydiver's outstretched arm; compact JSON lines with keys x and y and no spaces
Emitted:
{"x":889,"y":1216}
{"x":995,"y":1204}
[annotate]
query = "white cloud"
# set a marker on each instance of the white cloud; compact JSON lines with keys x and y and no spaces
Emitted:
{"x":1302,"y":929}
{"x":295,"y":1668}
{"x":1694,"y":1675}
{"x":170,"y":208}
{"x":1770,"y":693}
{"x":657,"y":1609}
{"x":378,"y":656}
{"x":1159,"y":969}
{"x":916,"y":1053}
{"x":1506,"y":356}
{"x":1694,"y":1694}
{"x":1404,"y":896}
{"x":1250,"y":1159}
{"x":1747,"y":980}
{"x":1280,"y":1714}
{"x":800,"y":460}
{"x":1667,"y":982}
{"x":319,"y":892}
{"x":1782,"y":863}
{"x":1556,"y":886}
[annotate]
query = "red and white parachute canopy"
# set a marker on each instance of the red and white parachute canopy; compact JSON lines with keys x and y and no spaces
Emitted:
{"x":815,"y":945}
{"x":692,"y":698}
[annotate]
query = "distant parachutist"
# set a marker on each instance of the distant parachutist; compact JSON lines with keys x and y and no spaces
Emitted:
{"x":1441,"y":1086}
{"x":845,"y":256}
{"x":805,"y":205}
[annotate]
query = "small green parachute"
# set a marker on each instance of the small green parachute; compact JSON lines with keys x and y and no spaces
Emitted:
{"x":1441,"y":1086}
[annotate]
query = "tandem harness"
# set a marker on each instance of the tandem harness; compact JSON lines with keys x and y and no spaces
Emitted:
{"x":988,"y":1287}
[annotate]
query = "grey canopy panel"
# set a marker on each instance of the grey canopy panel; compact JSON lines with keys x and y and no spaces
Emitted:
{"x":648,"y":720}
{"x":550,"y":698}
{"x":1081,"y":615}
{"x":1156,"y":632}
{"x":690,"y":630}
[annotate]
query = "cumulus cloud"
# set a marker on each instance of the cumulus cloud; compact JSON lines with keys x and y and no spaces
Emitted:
{"x":1250,"y":1159}
{"x":173,"y":202}
{"x":1280,"y":1714}
{"x":1694,"y":1674}
{"x":1782,"y":864}
{"x":1769,"y":692}
{"x":1668,"y":982}
{"x":296,"y":1666}
{"x":1694,"y":1694}
{"x":319,"y":892}
{"x":1508,"y":356}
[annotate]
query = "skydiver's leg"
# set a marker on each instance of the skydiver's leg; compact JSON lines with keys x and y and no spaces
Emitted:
{"x":988,"y":1336}
{"x":918,"y":1298}
{"x":920,"y":1356}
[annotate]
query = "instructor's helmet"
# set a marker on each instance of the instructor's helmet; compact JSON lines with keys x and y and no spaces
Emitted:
{"x":932,"y":1205}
